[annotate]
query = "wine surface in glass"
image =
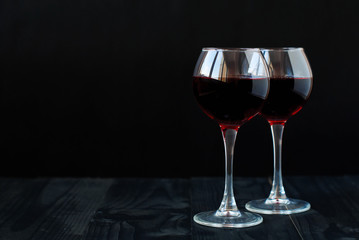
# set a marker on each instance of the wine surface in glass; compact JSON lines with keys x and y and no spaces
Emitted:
{"x":286,"y":97}
{"x":232,"y":101}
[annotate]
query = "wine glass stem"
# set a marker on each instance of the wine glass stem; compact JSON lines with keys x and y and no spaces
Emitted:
{"x":228,"y":206}
{"x":277,"y":192}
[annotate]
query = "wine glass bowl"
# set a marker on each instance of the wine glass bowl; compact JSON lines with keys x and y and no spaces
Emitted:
{"x":291,"y":83}
{"x":230,"y":85}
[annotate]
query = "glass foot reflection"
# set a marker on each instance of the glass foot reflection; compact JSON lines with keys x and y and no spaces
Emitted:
{"x":211,"y":219}
{"x":279,"y":206}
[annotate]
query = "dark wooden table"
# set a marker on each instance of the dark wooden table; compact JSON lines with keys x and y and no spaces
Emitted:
{"x":141,"y":209}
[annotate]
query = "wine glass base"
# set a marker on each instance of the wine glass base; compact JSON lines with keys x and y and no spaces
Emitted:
{"x":210,"y":219}
{"x":285,"y":207}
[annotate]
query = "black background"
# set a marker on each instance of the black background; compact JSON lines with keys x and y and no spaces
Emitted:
{"x":103,"y":88}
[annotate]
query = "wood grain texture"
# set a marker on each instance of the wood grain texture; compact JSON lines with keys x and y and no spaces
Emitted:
{"x":143,"y":209}
{"x":48,"y":208}
{"x":147,"y":209}
{"x":335,"y":207}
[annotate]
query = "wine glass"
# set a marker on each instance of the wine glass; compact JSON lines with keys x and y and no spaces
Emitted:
{"x":230,"y":85}
{"x":291,"y":83}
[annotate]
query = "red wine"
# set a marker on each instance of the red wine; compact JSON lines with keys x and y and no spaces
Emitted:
{"x":286,"y":97}
{"x":232,"y":101}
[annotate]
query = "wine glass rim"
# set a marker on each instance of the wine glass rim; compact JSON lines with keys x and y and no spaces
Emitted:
{"x":282,"y":49}
{"x":231,"y":49}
